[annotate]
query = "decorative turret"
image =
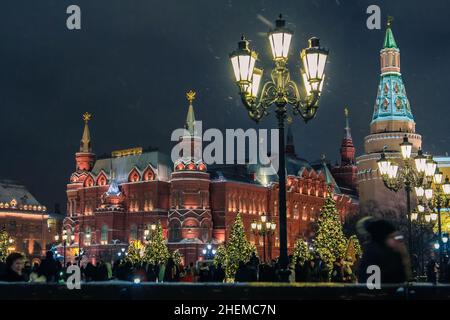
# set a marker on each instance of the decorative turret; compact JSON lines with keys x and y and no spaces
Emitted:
{"x":392,"y":111}
{"x":85,"y":158}
{"x":347,"y":147}
{"x":392,"y":120}
{"x":191,"y":142}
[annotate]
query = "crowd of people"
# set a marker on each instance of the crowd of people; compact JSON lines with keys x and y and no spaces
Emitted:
{"x":384,"y":248}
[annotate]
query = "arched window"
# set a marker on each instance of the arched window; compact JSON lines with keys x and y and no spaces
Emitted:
{"x":104,"y":237}
{"x":149,"y":174}
{"x":101,"y":180}
{"x":133,"y":232}
{"x":175,"y":231}
{"x":134,"y":176}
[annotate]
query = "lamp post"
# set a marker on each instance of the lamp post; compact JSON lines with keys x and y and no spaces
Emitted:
{"x":423,"y":218}
{"x":280,"y":91}
{"x":437,"y":199}
{"x":407,"y":176}
{"x":209,"y":252}
{"x":264,"y":228}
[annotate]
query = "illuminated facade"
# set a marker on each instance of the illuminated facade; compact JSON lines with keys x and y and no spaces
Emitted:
{"x":26,"y":221}
{"x":112,"y":201}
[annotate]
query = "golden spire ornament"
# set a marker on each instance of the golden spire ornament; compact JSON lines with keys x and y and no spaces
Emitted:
{"x":87,"y":116}
{"x":190,"y":96}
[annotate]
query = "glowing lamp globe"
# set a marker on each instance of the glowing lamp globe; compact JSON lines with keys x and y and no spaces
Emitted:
{"x":430,"y":168}
{"x":438,"y":176}
{"x":420,"y":191}
{"x":383,"y":164}
{"x":414,"y":216}
{"x":446,"y":186}
{"x":406,"y":148}
{"x":253,"y":88}
{"x":392,"y":172}
{"x":280,"y":40}
{"x":421,"y":161}
{"x":243,"y":61}
{"x":428,"y":194}
{"x":314,"y":59}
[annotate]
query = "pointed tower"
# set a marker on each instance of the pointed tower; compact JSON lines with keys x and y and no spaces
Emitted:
{"x":347,"y":147}
{"x":85,"y":158}
{"x":290,"y":148}
{"x":392,"y":119}
{"x":345,"y":174}
{"x":190,"y":220}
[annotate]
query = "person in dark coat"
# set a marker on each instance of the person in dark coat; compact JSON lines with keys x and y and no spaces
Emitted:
{"x":14,"y":268}
{"x":169,"y":273}
{"x":384,"y":249}
{"x":151,"y":273}
{"x":432,"y":271}
{"x":219,"y":274}
{"x":337,"y":275}
{"x":49,"y":267}
{"x":240,"y":275}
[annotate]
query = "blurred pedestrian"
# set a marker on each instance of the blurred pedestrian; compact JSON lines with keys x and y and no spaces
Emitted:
{"x":384,"y":249}
{"x":49,"y":267}
{"x":14,"y":265}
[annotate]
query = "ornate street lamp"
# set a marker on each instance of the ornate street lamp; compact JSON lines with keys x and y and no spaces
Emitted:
{"x":209,"y":252}
{"x":407,"y":176}
{"x":437,"y":199}
{"x":280,"y":91}
{"x":264,"y":228}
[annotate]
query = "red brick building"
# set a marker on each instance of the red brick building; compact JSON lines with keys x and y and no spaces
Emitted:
{"x":112,"y":201}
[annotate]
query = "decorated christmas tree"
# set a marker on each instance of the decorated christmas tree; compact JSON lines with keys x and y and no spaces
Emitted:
{"x":237,"y":249}
{"x":4,"y":245}
{"x":156,"y":251}
{"x":135,"y":252}
{"x":329,"y":242}
{"x":301,"y":252}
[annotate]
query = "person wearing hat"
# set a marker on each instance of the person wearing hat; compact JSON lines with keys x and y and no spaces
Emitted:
{"x":384,"y":248}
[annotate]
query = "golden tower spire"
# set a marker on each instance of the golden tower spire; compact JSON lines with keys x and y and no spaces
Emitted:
{"x":85,"y":143}
{"x":190,"y":96}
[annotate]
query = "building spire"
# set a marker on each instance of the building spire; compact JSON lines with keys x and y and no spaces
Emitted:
{"x":85,"y":143}
{"x":190,"y":118}
{"x":348,"y":134}
{"x":389,"y":40}
{"x":290,"y":145}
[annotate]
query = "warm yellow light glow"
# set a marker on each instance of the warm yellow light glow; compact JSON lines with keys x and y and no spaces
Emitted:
{"x":428,"y":194}
{"x":430,"y":167}
{"x":280,"y":43}
{"x":419,"y":191}
{"x":406,"y":148}
{"x":392,"y":172}
{"x":253,"y":88}
{"x":446,"y":186}
{"x":383,"y":165}
{"x":438,"y":178}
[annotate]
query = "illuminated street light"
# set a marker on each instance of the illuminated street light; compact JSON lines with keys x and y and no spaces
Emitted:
{"x":280,"y":91}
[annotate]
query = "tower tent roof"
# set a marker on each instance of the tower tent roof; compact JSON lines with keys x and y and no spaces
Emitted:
{"x":389,"y":40}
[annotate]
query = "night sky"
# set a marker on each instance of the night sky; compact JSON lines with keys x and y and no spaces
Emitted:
{"x":132,"y":62}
